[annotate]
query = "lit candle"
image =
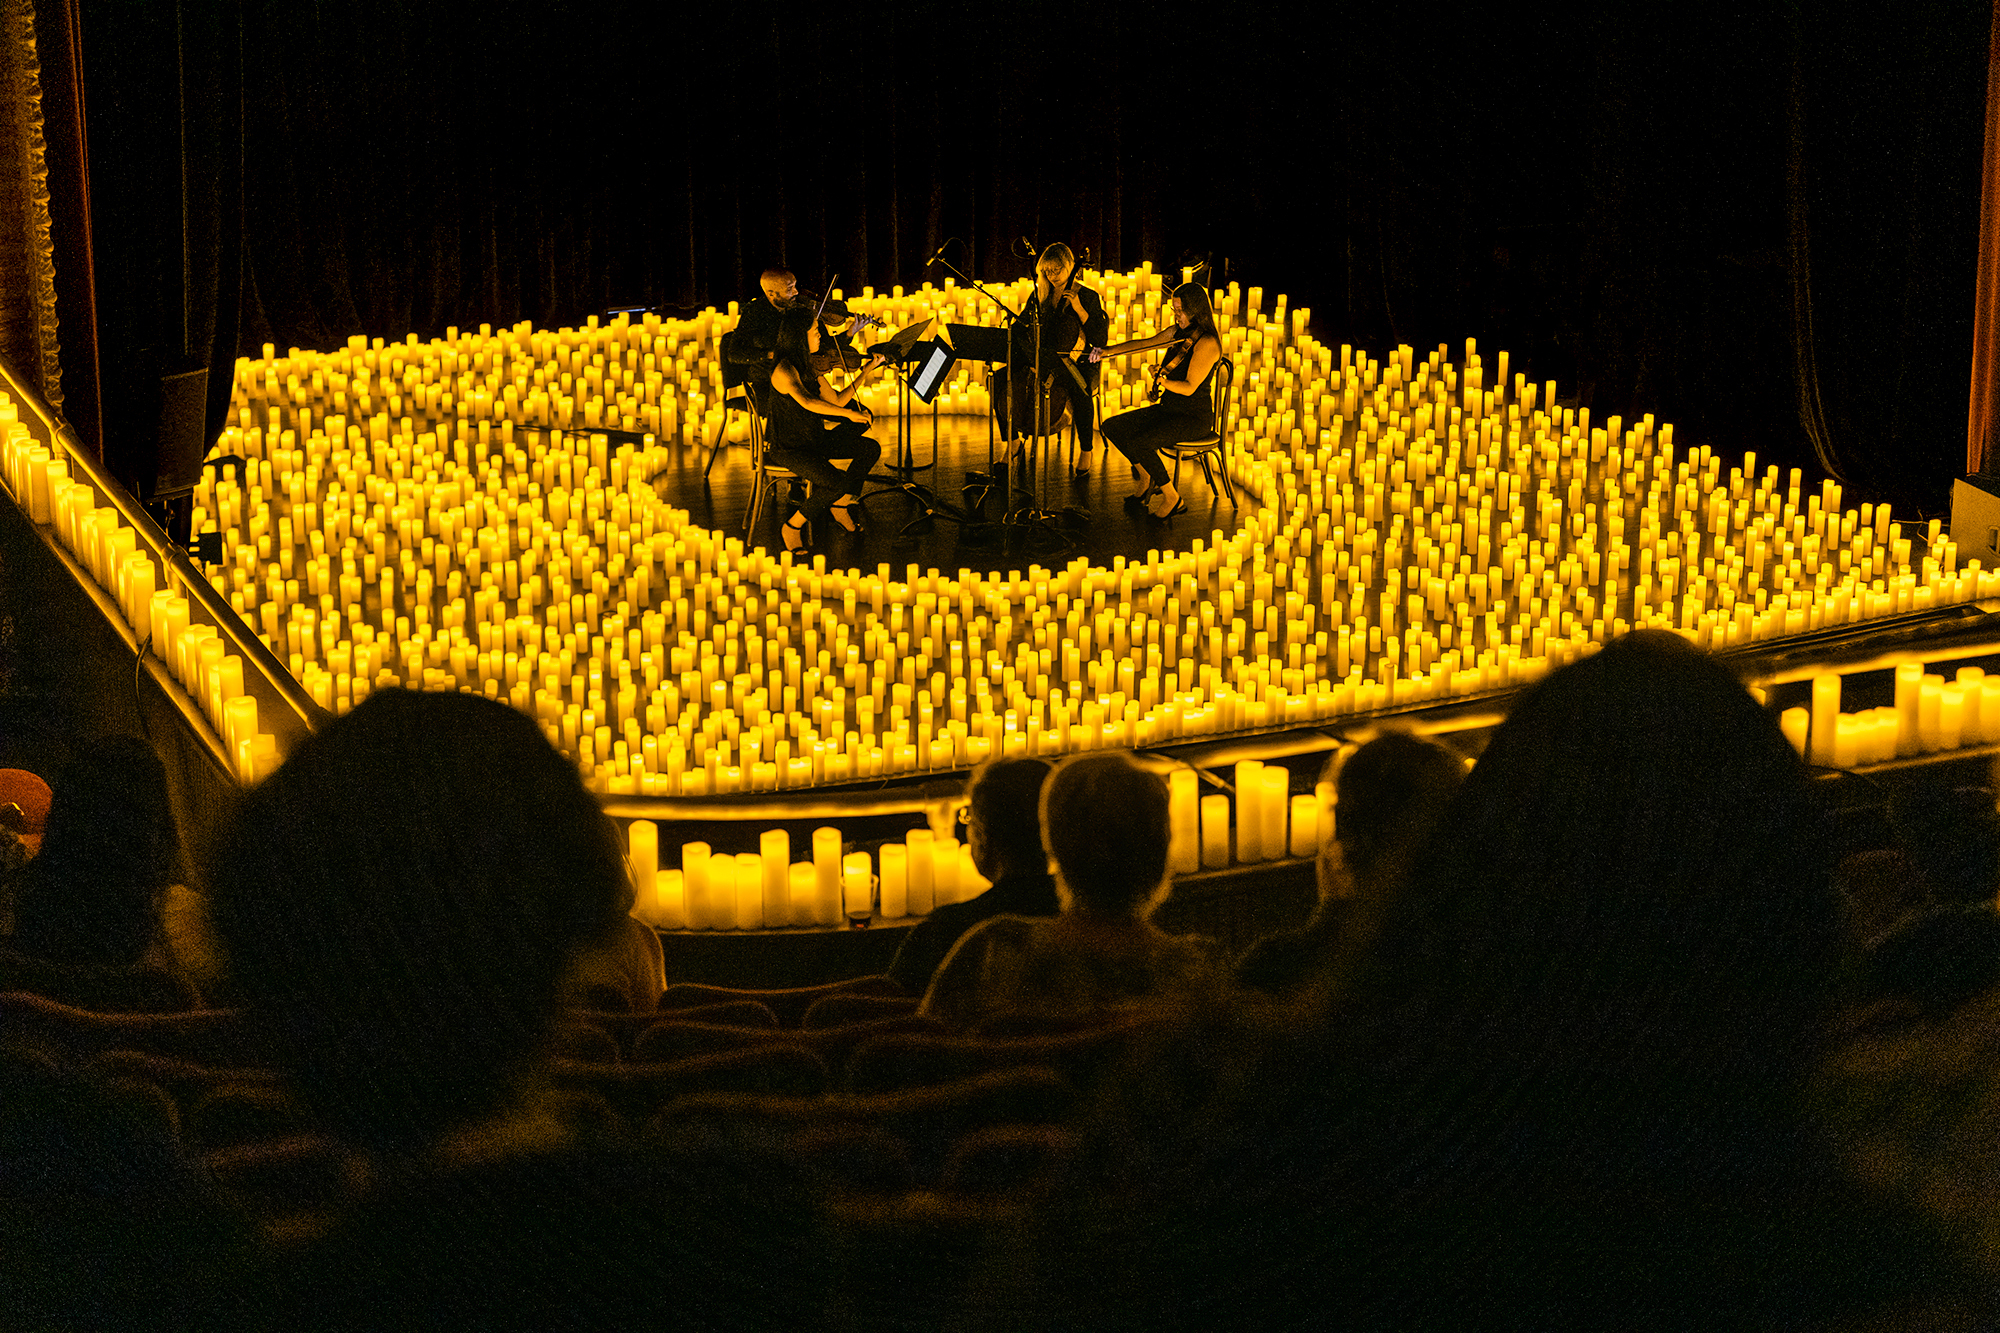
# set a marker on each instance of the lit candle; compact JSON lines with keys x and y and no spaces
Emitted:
{"x":1796,"y":723}
{"x":922,"y":888}
{"x":722,"y":892}
{"x":1305,"y":825}
{"x":1971,"y":682}
{"x":857,"y":888}
{"x":1930,"y":691}
{"x":749,"y":891}
{"x":1951,"y":717}
{"x":775,"y":850}
{"x":694,"y":867}
{"x":895,"y":880}
{"x":671,"y":910}
{"x":1249,"y":810}
{"x":642,"y":842}
{"x":1184,"y":819}
{"x":1825,"y":719}
{"x":944,"y":871}
{"x":1848,"y":730}
{"x":805,"y":892}
{"x":1274,"y":806}
{"x":826,"y":869}
{"x":1909,"y":698}
{"x":1214,"y":832}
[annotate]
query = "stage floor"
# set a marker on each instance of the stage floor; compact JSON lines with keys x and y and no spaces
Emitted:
{"x":721,"y":500}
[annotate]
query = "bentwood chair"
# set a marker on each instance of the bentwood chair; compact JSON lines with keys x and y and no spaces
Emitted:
{"x":1211,"y":451}
{"x":765,"y":477}
{"x":736,"y":397}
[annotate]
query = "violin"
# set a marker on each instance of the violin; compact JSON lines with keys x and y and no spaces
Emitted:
{"x":1174,"y":348}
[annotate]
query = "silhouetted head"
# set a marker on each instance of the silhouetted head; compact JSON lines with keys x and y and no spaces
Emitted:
{"x":1005,"y":831}
{"x":399,"y":902}
{"x":1621,"y":939}
{"x":1104,"y":820}
{"x":1391,"y":793}
{"x":108,"y":853}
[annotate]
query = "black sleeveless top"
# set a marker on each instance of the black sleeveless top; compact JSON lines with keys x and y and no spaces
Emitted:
{"x":792,"y":426}
{"x":1198,"y":406}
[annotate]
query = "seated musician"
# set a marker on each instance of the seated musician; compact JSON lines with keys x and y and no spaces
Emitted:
{"x":1072,"y":318}
{"x":814,"y":432}
{"x":750,"y":349}
{"x":1185,"y":406}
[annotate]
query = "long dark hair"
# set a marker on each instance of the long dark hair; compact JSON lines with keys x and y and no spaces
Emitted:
{"x":794,"y":347}
{"x":1201,"y":315}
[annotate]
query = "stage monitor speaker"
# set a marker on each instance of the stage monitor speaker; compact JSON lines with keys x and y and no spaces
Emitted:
{"x":1975,"y":519}
{"x":183,"y":429}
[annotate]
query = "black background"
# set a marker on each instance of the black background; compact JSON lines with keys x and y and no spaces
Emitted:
{"x":1742,"y":221}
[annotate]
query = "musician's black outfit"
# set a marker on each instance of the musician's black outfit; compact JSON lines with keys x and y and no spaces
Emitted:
{"x":801,"y":442}
{"x":1176,"y":419}
{"x":1070,"y":382}
{"x":748,"y":351}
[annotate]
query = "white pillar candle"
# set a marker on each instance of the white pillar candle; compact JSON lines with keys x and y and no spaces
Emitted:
{"x":775,"y":850}
{"x":1825,"y":719}
{"x":1796,"y":723}
{"x":1951,"y":717}
{"x":944,"y":872}
{"x":239,"y":724}
{"x":1274,"y":806}
{"x":1184,"y":819}
{"x":1214,"y":832}
{"x":805,"y":892}
{"x":1847,"y":740}
{"x":722,"y":892}
{"x":694,"y":867}
{"x":1970,"y":681}
{"x":1305,"y":825}
{"x":642,"y":853}
{"x":749,"y":891}
{"x":671,"y":909}
{"x":1909,"y":691}
{"x":895,"y":880}
{"x":826,"y":870}
{"x":922,"y":889}
{"x":1989,"y":709}
{"x":1249,"y":810}
{"x":1929,"y":697}
{"x":857,"y":893}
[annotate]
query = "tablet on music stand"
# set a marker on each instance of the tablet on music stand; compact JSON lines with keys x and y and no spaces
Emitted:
{"x":934,"y":363}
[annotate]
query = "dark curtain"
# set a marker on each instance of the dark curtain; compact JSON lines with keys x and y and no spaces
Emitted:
{"x":1761,"y":226}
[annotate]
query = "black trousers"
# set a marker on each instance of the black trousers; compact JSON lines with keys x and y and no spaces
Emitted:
{"x":849,"y":440}
{"x":1142,"y":432}
{"x":1068,"y":387}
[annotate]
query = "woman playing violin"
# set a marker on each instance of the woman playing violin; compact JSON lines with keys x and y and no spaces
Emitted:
{"x":1185,"y":407}
{"x":814,"y":432}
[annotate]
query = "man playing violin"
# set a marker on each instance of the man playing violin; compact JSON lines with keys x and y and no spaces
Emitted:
{"x":1072,"y":318}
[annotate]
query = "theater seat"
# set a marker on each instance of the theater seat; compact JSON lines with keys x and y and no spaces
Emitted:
{"x":788,"y":1004}
{"x":289,"y":1187}
{"x":1008,"y":1161}
{"x":637,"y":1091}
{"x":831,"y":1011}
{"x":910,"y":1060}
{"x":233,"y":1114}
{"x":104,"y":990}
{"x":215,"y":1037}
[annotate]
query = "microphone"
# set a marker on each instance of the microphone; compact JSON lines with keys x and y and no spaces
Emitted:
{"x":1026,"y":248}
{"x":939,"y":252}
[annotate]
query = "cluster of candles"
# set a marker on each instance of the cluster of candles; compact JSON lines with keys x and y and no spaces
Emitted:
{"x":99,"y":540}
{"x":440,"y":515}
{"x":766,"y":889}
{"x":1930,"y":714}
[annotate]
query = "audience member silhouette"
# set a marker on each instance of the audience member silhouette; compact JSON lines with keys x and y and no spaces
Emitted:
{"x":399,"y":904}
{"x":1562,"y":1085}
{"x":88,"y":908}
{"x":1390,"y":795}
{"x":1104,"y":822}
{"x":1004,"y":832}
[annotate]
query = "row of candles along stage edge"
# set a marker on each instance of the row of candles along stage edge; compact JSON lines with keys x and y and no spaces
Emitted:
{"x":537,"y":581}
{"x":765,"y":889}
{"x":1931,"y":714}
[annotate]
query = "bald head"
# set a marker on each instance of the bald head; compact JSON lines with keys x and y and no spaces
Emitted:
{"x":779,"y":285}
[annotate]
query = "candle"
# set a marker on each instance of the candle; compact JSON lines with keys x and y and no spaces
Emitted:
{"x":1989,"y":709}
{"x":944,"y":871}
{"x":750,"y":891}
{"x":1214,"y":832}
{"x":805,"y":892}
{"x":826,"y":870}
{"x":694,"y":867}
{"x":671,"y":909}
{"x":1796,"y":723}
{"x":922,"y":890}
{"x":895,"y":880}
{"x":775,"y":851}
{"x":239,"y":727}
{"x":1909,"y":691}
{"x":1847,"y":740}
{"x":642,"y":842}
{"x":1305,"y":825}
{"x":1930,"y":691}
{"x":721,"y":907}
{"x":857,"y":888}
{"x":1249,"y":810}
{"x":1951,"y":717}
{"x":1971,"y":682}
{"x":1184,"y":819}
{"x":1825,"y":719}
{"x":1274,"y":807}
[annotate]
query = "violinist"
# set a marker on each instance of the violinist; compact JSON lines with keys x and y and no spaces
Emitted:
{"x":1072,"y":318}
{"x":750,"y":350}
{"x":814,"y":431}
{"x":1184,"y":406}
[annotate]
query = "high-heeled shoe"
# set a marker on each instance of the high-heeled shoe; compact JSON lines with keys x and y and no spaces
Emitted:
{"x":1161,"y":508}
{"x":794,"y":534}
{"x":1082,"y":469}
{"x":1138,"y":500}
{"x":848,"y":514}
